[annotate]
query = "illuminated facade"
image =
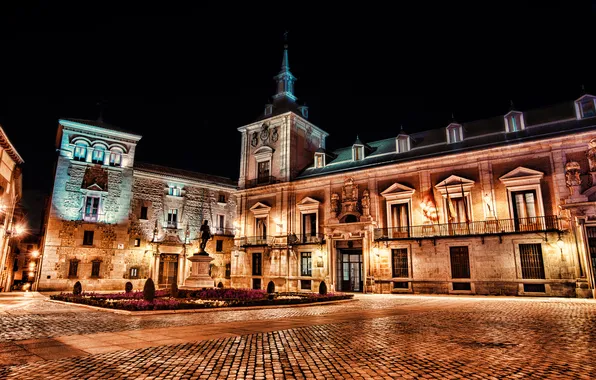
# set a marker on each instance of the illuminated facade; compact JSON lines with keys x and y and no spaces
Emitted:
{"x":503,"y":206}
{"x":10,"y":194}
{"x":112,"y":220}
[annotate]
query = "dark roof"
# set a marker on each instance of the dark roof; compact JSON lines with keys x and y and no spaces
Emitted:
{"x":101,"y":124}
{"x":555,"y":120}
{"x":9,"y":148}
{"x":184,"y":174}
{"x":281,"y":106}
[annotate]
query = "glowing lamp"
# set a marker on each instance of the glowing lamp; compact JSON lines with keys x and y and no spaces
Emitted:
{"x":560,"y":243}
{"x":35,"y":253}
{"x":31,"y":265}
{"x":19,"y":229}
{"x":31,"y":273}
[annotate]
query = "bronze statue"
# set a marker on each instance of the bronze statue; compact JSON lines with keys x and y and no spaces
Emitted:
{"x":205,"y":235}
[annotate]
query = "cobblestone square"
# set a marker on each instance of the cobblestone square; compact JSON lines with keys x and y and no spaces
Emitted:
{"x":374,"y":337}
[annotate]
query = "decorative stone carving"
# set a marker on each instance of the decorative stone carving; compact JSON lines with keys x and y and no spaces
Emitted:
{"x":591,"y":154}
{"x":572,"y":178}
{"x":95,"y":178}
{"x":365,"y":203}
{"x":334,"y":204}
{"x":349,"y":201}
{"x":274,"y":135}
{"x":264,"y":132}
{"x":255,"y":139}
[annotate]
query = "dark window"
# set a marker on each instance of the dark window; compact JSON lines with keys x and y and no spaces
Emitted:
{"x":88,"y":238}
{"x":534,"y":288}
{"x":305,"y":284}
{"x":73,"y":268}
{"x":460,"y":262}
{"x":222,"y":198}
{"x":256,"y":283}
{"x":263,"y":172}
{"x":306,"y":264}
{"x":531,"y":261}
{"x":309,"y":225}
{"x":462,"y":286}
{"x":256,"y":264}
{"x":219,"y":245}
{"x":228,"y":270}
{"x":144,"y":212}
{"x":400,"y":262}
{"x":29,"y":247}
{"x":400,"y":285}
{"x":25,"y":276}
{"x":587,"y":107}
{"x":15,"y":266}
{"x":95,"y":268}
{"x":134,"y":273}
{"x":137,"y":242}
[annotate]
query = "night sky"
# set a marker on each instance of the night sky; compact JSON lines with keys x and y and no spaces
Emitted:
{"x":185,"y":78}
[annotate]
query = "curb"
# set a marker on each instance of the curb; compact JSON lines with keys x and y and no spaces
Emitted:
{"x":205,"y":310}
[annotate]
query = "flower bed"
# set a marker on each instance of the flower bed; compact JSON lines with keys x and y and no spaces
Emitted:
{"x":196,"y":299}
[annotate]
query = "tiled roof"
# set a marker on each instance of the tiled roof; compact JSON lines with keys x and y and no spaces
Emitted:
{"x":558,"y":119}
{"x":184,"y":174}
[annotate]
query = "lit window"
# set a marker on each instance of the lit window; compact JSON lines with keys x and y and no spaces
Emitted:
{"x":115,"y":159}
{"x":402,"y":144}
{"x":263,"y":172}
{"x":134,"y":273}
{"x":98,"y":156}
{"x":80,"y":152}
{"x":587,"y":107}
{"x":174,"y":191}
{"x":173,"y":218}
{"x":514,"y":122}
{"x":319,"y":160}
{"x":306,"y":264}
{"x":137,"y":242}
{"x":91,"y":211}
{"x":454,"y":134}
{"x":358,"y":153}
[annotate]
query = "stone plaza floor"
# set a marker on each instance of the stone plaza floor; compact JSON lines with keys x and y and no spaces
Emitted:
{"x":373,"y":337}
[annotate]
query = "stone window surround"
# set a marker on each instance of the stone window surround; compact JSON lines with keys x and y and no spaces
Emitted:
{"x":308,"y":206}
{"x":90,"y":145}
{"x":408,"y":248}
{"x":507,"y":118}
{"x":322,"y":155}
{"x":455,"y":191}
{"x":531,"y":181}
{"x":396,"y":194}
{"x":260,"y":211}
{"x":263,"y":154}
{"x":360,"y":149}
{"x":518,"y":268}
{"x":472,"y":267}
{"x":408,"y":143}
{"x":95,"y":194}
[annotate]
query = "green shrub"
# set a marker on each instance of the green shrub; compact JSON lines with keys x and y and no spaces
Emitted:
{"x":128,"y":287}
{"x":323,"y":288}
{"x":77,"y":289}
{"x":174,"y":290}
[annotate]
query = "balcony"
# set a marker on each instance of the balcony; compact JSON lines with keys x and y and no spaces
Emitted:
{"x":483,"y":228}
{"x":260,"y":181}
{"x":223,"y":231}
{"x":92,"y":217}
{"x":281,"y":241}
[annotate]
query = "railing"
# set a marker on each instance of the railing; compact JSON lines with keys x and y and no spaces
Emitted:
{"x":280,"y":240}
{"x":260,"y":181}
{"x":224,"y":231}
{"x":294,"y":239}
{"x":92,"y":217}
{"x":480,"y":228}
{"x":255,"y":240}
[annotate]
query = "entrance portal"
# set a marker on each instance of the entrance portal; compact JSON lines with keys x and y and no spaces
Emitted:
{"x":168,"y":270}
{"x":349,"y":268}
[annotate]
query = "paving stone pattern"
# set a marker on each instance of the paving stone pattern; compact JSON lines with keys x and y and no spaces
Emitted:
{"x":458,"y":338}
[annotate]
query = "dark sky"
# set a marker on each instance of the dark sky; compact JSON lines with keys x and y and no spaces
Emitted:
{"x":186,"y":77}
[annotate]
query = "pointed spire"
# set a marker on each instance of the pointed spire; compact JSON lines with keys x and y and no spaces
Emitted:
{"x":583,"y":90}
{"x":285,"y":80}
{"x":511,"y":106}
{"x":100,"y":104}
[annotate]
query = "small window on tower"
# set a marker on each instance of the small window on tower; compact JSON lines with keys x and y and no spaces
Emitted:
{"x":143,"y":212}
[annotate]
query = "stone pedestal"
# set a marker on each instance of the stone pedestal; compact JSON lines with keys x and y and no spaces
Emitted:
{"x":200,"y":271}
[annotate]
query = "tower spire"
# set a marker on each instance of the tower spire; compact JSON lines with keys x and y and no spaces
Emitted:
{"x":285,"y":80}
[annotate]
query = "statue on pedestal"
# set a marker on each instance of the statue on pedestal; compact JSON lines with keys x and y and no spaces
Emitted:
{"x":365,"y":203}
{"x":205,"y":235}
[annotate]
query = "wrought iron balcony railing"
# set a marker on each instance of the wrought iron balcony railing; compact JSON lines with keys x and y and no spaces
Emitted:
{"x":479,"y":228}
{"x":280,"y":240}
{"x":225,"y":231}
{"x":260,"y":181}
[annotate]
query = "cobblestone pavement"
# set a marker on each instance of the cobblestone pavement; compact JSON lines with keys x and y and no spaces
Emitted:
{"x":435,"y":337}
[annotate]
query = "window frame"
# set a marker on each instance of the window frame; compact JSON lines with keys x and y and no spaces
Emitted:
{"x":459,"y":133}
{"x":130,"y":271}
{"x":398,"y":140}
{"x":303,"y":256}
{"x":360,"y":155}
{"x":514,"y":116}
{"x":408,"y":263}
{"x":85,"y":239}
{"x":174,"y":222}
{"x":75,"y":266}
{"x":91,"y":217}
{"x":95,"y":267}
{"x":75,"y":156}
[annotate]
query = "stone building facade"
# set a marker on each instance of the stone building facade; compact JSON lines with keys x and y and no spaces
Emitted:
{"x":11,"y":224}
{"x":502,"y":206}
{"x":111,"y":221}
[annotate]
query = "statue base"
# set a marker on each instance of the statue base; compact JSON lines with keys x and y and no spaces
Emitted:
{"x":200,"y":271}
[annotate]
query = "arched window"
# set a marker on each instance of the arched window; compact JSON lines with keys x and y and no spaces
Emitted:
{"x":98,"y":155}
{"x":115,"y":158}
{"x":80,"y":152}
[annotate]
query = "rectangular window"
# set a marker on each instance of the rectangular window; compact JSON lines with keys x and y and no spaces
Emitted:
{"x":587,"y":107}
{"x":80,"y":153}
{"x":400,"y":217}
{"x":305,"y":284}
{"x":319,"y":161}
{"x":219,"y":245}
{"x":91,"y":211}
{"x":461,"y":210}
{"x":525,"y":205}
{"x":460,"y":262}
{"x":115,"y":159}
{"x":358,"y":153}
{"x":15,"y":265}
{"x":532,"y":264}
{"x":263,"y":172}
{"x":173,"y":218}
{"x":88,"y":238}
{"x":174,"y":191}
{"x":137,"y":242}
{"x":144,"y":212}
{"x":228,"y":270}
{"x":222,"y":198}
{"x":256,"y":264}
{"x":95,"y":268}
{"x":402,"y":144}
{"x":98,"y":156}
{"x":256,"y":283}
{"x":73,"y":268}
{"x":399,"y":259}
{"x":261,"y":228}
{"x":309,"y":227}
{"x":515,"y":123}
{"x":221,"y":223}
{"x":133,"y":273}
{"x":305,"y":264}
{"x":454,"y":134}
